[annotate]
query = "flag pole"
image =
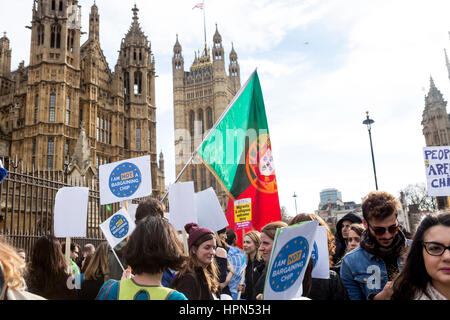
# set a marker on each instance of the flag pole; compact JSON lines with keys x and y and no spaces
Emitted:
{"x":238,"y":94}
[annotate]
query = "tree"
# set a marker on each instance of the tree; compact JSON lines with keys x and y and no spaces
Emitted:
{"x":417,"y":195}
{"x":285,"y":217}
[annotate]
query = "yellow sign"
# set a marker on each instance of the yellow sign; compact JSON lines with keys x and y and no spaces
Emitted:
{"x":242,"y":213}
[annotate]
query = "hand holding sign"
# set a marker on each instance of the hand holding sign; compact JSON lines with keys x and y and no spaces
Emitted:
{"x":291,"y":252}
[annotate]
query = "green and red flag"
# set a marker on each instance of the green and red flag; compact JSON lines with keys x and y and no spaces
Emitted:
{"x":238,"y":152}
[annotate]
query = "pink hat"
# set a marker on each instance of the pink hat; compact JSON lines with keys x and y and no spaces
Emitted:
{"x":195,"y":233}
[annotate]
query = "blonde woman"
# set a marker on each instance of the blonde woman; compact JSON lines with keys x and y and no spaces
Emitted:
{"x":255,"y":264}
{"x":12,"y":285}
{"x":96,"y":274}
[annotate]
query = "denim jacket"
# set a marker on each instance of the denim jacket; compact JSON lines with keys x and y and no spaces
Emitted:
{"x":364,"y":274}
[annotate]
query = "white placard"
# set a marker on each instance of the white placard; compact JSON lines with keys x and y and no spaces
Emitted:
{"x":125,"y":180}
{"x":118,"y":227}
{"x":289,"y":259}
{"x":182,"y":204}
{"x":132,"y":207}
{"x":437,"y":170}
{"x":209,"y":211}
{"x":70,"y":215}
{"x":320,"y":254}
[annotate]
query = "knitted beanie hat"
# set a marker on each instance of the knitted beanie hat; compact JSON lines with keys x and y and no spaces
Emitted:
{"x":195,"y":233}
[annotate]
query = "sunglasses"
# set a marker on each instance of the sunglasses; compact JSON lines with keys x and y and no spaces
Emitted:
{"x":379,"y":231}
{"x":435,"y":248}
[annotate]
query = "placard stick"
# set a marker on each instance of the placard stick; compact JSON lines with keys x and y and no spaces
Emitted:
{"x":118,"y":260}
{"x":67,"y":253}
{"x":186,"y":248}
{"x":241,"y":282}
{"x":125,"y":204}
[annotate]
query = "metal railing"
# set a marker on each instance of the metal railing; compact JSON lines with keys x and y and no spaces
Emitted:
{"x":27,"y":203}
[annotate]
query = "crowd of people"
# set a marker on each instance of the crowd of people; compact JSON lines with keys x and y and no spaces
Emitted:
{"x":370,"y":258}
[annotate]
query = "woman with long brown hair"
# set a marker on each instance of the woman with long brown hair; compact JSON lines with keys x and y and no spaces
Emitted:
{"x":47,"y":274}
{"x":96,"y":274}
{"x":199,"y":279}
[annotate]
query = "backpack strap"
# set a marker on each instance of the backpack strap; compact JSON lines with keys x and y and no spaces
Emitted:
{"x":106,"y":289}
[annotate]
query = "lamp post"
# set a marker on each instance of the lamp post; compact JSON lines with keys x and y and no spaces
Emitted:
{"x":368,"y":122}
{"x":295,"y":199}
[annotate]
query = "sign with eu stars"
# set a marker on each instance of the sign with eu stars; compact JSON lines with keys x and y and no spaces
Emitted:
{"x":124,"y":180}
{"x":290,"y":255}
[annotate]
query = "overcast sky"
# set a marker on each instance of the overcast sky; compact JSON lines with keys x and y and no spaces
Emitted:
{"x":322,"y":65}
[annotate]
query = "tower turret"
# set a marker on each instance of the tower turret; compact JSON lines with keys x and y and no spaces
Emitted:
{"x":234,"y":70}
{"x":5,"y":57}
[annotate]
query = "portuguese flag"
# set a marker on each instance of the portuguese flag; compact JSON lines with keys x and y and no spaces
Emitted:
{"x":238,"y":151}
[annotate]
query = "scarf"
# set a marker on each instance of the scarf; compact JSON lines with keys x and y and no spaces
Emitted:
{"x":388,"y":254}
{"x":430,"y":294}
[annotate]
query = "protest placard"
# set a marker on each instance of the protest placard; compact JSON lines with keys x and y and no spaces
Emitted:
{"x":124,"y":180}
{"x":70,"y":214}
{"x":243,"y":214}
{"x":209,"y":212}
{"x":437,"y":170}
{"x":117,"y":227}
{"x":320,"y":254}
{"x":291,"y":252}
{"x":182,"y":204}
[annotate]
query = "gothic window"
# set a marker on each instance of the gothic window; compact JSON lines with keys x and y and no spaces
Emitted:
{"x":140,"y":56}
{"x":70,"y":39}
{"x":138,"y":136}
{"x":50,"y":152}
{"x":200,"y":119}
{"x":66,"y":150}
{"x":203,"y":177}
{"x":53,"y":4}
{"x":68,"y":110}
{"x":212,"y":178}
{"x":137,"y":82}
{"x":191,"y":123}
{"x":194,"y":177}
{"x":81,"y":114}
{"x":36,"y":108}
{"x":55,"y":36}
{"x":98,"y":128}
{"x":209,"y":118}
{"x":51,"y":116}
{"x":126,"y":83}
{"x":60,"y":5}
{"x":134,"y":55}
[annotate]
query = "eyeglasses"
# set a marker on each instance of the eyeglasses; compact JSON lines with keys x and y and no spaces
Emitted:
{"x":435,"y":248}
{"x":379,"y":231}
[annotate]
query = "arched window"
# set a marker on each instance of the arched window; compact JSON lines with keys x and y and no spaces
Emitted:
{"x":203,"y":177}
{"x":191,"y":123}
{"x":68,"y":110}
{"x":55,"y":36}
{"x":60,"y":5}
{"x":53,"y":4}
{"x":137,"y":82}
{"x":200,"y":119}
{"x":51,"y":115}
{"x":209,"y":118}
{"x":138,"y":136}
{"x":36,"y":108}
{"x":50,"y":152}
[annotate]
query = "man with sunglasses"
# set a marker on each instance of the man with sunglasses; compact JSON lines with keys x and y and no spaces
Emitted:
{"x":367,"y":272}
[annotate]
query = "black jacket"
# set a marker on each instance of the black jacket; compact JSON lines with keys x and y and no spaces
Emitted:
{"x":328,"y":289}
{"x":340,"y":242}
{"x":193,"y":286}
{"x":253,"y":272}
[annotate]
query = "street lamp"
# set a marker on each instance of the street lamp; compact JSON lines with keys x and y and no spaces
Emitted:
{"x":295,"y":199}
{"x":368,"y":122}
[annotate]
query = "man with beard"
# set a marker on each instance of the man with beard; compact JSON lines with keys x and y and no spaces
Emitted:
{"x":367,"y":272}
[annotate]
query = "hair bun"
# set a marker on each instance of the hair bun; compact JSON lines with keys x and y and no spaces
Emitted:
{"x":190,"y":226}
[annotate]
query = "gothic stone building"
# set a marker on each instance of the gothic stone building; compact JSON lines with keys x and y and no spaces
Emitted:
{"x":200,"y":97}
{"x":436,"y":122}
{"x":68,"y":93}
